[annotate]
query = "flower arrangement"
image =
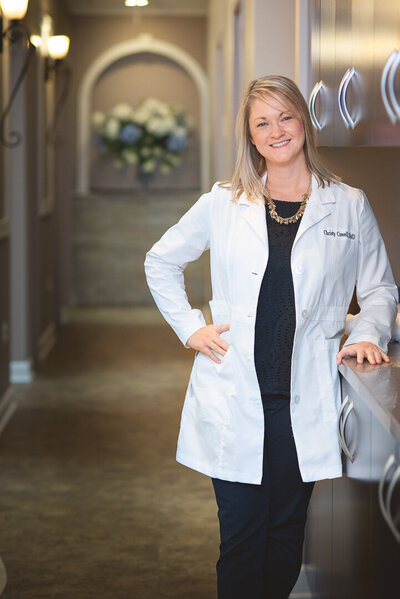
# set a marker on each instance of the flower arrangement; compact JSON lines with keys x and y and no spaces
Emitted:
{"x":152,"y":137}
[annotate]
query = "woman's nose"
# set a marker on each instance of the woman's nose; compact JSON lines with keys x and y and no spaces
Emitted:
{"x":276,"y":129}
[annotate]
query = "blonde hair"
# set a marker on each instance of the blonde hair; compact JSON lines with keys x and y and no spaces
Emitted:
{"x":250,"y":165}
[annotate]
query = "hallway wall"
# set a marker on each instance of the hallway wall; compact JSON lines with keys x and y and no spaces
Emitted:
{"x":28,"y":306}
{"x":247,"y":39}
{"x":4,"y":315}
{"x":4,"y":249}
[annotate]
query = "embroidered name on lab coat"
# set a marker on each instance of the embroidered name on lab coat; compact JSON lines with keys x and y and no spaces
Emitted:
{"x":340,"y":234}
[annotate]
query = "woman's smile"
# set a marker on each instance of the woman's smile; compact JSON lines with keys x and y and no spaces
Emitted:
{"x":280,"y":144}
{"x":276,"y":130}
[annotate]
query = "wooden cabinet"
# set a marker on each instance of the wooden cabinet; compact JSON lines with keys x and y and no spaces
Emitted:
{"x":350,"y":551}
{"x":355,"y":100}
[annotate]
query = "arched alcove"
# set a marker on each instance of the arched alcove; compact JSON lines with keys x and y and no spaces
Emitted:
{"x":143,"y":43}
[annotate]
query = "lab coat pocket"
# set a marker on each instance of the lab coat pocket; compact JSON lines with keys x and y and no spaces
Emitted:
{"x":208,"y":404}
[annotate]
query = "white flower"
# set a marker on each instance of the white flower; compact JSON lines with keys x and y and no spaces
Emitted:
{"x":148,"y":166}
{"x":146,"y":152}
{"x":130,"y":156}
{"x":165,"y":169}
{"x":173,"y":159}
{"x":141,"y":116}
{"x":155,"y":106}
{"x":111,"y":128}
{"x":122,"y":111}
{"x":98,"y":119}
{"x":160,"y":126}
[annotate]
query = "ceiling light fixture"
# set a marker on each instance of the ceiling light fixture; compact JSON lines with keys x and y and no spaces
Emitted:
{"x":136,"y":2}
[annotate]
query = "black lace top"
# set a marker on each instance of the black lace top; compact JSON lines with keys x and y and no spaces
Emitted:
{"x":276,"y":317}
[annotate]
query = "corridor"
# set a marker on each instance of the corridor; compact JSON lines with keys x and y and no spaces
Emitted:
{"x":93,"y":504}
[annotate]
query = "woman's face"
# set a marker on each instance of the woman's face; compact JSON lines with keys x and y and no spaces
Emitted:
{"x":276,"y":131}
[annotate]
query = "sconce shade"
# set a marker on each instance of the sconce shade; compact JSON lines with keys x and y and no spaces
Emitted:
{"x":58,"y":46}
{"x":14,"y":9}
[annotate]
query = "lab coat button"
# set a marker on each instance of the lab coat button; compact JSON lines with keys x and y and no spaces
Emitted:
{"x":304,"y":314}
{"x":296,"y":399}
{"x":299,"y":270}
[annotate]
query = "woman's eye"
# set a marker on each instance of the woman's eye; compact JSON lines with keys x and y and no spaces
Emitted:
{"x":287,"y":118}
{"x":262,"y":124}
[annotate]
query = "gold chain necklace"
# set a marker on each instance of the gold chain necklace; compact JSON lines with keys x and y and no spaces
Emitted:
{"x":291,"y":219}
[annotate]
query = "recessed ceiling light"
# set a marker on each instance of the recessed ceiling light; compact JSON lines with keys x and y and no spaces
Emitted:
{"x":136,"y":2}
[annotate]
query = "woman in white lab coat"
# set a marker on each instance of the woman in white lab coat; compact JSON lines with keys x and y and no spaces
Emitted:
{"x":288,"y":242}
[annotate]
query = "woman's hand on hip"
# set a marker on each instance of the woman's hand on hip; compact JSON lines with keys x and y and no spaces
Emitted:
{"x":361,"y":350}
{"x":207,"y":340}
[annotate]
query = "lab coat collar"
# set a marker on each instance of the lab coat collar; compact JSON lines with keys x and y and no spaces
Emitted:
{"x":315,"y":209}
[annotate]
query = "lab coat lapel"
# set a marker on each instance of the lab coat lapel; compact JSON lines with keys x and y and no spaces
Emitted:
{"x":318,"y":207}
{"x":254,"y":214}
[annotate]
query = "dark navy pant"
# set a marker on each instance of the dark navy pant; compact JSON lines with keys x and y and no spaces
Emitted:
{"x":262,"y":526}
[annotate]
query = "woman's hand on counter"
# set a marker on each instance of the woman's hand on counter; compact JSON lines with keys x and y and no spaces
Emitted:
{"x":208,"y":341}
{"x":362,"y":350}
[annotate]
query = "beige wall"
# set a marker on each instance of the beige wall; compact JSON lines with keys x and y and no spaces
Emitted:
{"x":376,"y":171}
{"x":274,"y":38}
{"x":139,"y":76}
{"x":269,"y":34}
{"x":32,"y":284}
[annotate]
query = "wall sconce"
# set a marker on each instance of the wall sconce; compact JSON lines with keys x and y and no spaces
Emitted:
{"x":58,"y":47}
{"x":14,"y":11}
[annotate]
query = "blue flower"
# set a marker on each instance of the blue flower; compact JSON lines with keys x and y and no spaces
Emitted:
{"x":176,"y":142}
{"x":130,"y":134}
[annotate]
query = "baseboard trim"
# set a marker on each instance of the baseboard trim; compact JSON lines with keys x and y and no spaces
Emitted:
{"x":7,"y":408}
{"x":47,"y":341}
{"x":21,"y":371}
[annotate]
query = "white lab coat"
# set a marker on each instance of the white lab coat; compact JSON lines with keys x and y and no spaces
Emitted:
{"x":338,"y":243}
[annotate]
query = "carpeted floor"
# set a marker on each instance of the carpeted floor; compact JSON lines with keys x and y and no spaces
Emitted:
{"x":92,"y":502}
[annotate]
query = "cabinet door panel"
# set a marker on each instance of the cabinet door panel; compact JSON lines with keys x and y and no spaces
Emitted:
{"x":324,"y":47}
{"x":360,"y":96}
{"x":386,"y":40}
{"x":351,"y":503}
{"x":343,"y":61}
{"x":384,"y":549}
{"x":318,"y":547}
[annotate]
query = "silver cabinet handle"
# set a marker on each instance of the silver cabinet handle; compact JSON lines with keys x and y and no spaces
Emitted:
{"x":348,"y":120}
{"x":390,"y":463}
{"x":344,"y":445}
{"x":391,"y":80}
{"x":390,"y":521}
{"x":385,"y":72}
{"x":311,"y":105}
{"x":339,"y":419}
{"x":341,"y":425}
